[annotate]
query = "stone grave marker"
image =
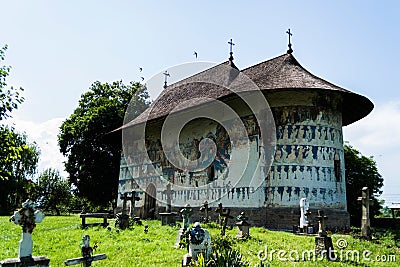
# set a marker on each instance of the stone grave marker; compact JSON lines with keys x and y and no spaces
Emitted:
{"x":243,"y":226}
{"x":186,"y":213}
{"x":168,"y":217}
{"x":365,"y":220}
{"x":323,"y":242}
{"x":310,"y":226}
{"x":122,"y":219}
{"x":87,"y":254}
{"x":304,"y":205}
{"x":205,"y":209}
{"x":26,"y":217}
{"x":199,"y":242}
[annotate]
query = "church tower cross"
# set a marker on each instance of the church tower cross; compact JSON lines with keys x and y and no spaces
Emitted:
{"x":290,"y":50}
{"x":231,"y":51}
{"x":231,"y":45}
{"x":166,"y":75}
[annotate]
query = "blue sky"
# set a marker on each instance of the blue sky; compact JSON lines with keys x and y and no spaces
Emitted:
{"x":59,"y":48}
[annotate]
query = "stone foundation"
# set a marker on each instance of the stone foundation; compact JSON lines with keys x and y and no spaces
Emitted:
{"x":273,"y":218}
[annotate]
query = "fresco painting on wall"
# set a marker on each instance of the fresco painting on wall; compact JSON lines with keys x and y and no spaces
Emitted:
{"x":190,"y":147}
{"x":309,"y":148}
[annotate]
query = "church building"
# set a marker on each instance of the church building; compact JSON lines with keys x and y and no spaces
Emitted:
{"x":284,"y":142}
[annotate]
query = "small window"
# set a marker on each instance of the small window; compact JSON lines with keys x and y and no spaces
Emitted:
{"x":338,"y":172}
{"x":211,"y":173}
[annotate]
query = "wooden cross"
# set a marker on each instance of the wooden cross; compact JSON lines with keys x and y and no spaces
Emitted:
{"x":321,"y":218}
{"x":231,"y":45}
{"x":87,"y":257}
{"x":166,"y":75}
{"x":224,"y":215}
{"x":168,"y":192}
{"x":205,"y":209}
{"x":290,"y":50}
{"x":219,"y":211}
{"x":365,"y":221}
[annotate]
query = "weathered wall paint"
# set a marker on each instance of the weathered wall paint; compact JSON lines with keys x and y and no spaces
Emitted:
{"x":309,"y":156}
{"x":308,"y":161}
{"x":210,"y":185}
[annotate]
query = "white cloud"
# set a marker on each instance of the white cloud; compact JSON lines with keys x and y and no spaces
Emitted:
{"x":45,"y":135}
{"x":378,"y":135}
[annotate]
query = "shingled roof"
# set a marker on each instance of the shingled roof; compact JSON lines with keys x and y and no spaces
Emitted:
{"x":285,"y":72}
{"x":280,"y":73}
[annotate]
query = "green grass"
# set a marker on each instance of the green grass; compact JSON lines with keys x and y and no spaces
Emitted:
{"x":59,"y":237}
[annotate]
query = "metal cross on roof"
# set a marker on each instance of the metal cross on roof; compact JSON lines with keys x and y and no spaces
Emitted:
{"x":290,"y":50}
{"x":166,"y":74}
{"x":231,"y":45}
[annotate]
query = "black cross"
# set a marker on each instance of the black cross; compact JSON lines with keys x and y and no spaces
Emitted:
{"x":166,"y":74}
{"x":290,"y":50}
{"x":290,"y":34}
{"x":232,"y":44}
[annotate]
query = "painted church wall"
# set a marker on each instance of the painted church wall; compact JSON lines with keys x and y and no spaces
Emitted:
{"x":309,"y":156}
{"x":308,"y":161}
{"x":212,"y":185}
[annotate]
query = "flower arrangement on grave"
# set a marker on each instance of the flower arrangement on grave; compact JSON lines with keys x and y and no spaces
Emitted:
{"x":197,"y":235}
{"x":27,"y":217}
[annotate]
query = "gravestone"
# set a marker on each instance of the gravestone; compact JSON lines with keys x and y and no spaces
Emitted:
{"x":223,"y":216}
{"x":365,"y":220}
{"x":205,"y":208}
{"x":310,"y":226}
{"x":87,"y":254}
{"x":186,"y":213}
{"x":304,"y":206}
{"x":122,"y":218}
{"x":26,"y":217}
{"x":168,"y":217}
{"x":243,"y":226}
{"x":323,"y":242}
{"x":199,"y":243}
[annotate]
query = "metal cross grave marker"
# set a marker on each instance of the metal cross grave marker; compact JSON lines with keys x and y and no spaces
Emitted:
{"x":87,"y":257}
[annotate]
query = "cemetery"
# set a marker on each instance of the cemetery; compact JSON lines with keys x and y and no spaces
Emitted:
{"x":61,"y":241}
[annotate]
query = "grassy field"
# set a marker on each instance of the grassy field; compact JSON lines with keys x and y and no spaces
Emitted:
{"x":59,"y":237}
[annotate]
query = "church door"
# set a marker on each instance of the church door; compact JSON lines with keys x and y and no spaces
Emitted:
{"x":150,"y":202}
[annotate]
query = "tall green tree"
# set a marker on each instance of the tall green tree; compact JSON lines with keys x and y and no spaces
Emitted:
{"x":361,"y":171}
{"x":18,"y":170}
{"x":52,"y":191}
{"x":10,"y":98}
{"x":93,"y":153}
